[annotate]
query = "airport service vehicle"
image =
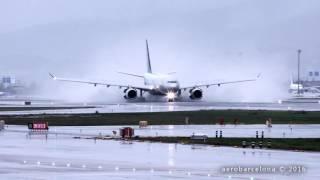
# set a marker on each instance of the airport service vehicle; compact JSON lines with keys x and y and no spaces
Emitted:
{"x":156,"y":84}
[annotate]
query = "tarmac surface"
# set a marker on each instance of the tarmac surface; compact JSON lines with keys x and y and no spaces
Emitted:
{"x":59,"y":156}
{"x":158,"y":107}
{"x":277,"y":131}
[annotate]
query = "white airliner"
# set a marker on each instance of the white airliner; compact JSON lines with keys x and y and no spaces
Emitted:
{"x":294,"y":87}
{"x":300,"y":89}
{"x":156,"y":84}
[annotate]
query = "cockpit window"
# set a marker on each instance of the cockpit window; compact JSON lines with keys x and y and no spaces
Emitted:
{"x":172,"y":81}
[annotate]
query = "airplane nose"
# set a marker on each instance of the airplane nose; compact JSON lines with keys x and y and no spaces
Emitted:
{"x":174,"y":88}
{"x":174,"y":85}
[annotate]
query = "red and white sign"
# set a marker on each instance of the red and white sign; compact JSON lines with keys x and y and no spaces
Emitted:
{"x":39,"y":126}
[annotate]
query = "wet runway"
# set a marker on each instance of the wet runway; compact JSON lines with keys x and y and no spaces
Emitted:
{"x":61,"y":157}
{"x":277,"y":131}
{"x":162,"y":106}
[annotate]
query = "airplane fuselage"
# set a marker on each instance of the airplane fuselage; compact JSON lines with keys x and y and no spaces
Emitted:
{"x":295,"y":87}
{"x":162,"y":84}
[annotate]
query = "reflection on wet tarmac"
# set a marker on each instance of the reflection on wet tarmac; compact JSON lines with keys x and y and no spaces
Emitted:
{"x":62,"y":157}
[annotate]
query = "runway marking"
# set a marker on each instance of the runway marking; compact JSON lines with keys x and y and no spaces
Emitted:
{"x":171,"y":172}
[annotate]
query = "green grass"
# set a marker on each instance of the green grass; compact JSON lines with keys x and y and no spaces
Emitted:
{"x":303,"y":144}
{"x":173,"y":118}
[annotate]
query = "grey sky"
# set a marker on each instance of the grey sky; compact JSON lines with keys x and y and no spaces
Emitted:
{"x":207,"y":40}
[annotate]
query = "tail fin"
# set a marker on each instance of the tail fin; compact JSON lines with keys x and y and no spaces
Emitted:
{"x":148,"y":59}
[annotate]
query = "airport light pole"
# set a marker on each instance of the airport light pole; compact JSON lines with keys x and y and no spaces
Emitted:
{"x":299,"y":52}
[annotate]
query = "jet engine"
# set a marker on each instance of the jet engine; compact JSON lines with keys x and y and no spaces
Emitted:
{"x":195,"y":93}
{"x":130,"y":93}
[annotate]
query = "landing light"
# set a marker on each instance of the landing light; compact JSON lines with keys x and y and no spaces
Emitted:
{"x":171,"y":95}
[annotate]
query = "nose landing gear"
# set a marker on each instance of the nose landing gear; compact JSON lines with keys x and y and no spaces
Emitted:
{"x":171,"y":96}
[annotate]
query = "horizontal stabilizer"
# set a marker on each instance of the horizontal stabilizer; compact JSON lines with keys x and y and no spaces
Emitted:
{"x":135,"y":75}
{"x":171,"y":73}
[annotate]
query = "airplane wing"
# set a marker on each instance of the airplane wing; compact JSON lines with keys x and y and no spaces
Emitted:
{"x":98,"y":83}
{"x":219,"y":83}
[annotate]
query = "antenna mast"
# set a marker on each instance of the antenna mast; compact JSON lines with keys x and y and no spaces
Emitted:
{"x":299,"y":52}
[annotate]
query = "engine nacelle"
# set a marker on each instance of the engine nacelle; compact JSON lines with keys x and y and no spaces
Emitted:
{"x":195,"y":93}
{"x":130,"y":93}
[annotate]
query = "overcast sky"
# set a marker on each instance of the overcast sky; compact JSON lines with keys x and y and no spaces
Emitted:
{"x":203,"y":41}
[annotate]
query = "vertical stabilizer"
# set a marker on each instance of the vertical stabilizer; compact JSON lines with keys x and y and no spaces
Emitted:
{"x":148,"y":59}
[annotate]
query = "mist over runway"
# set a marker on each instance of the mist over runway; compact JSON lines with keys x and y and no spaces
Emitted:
{"x":202,"y":41}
